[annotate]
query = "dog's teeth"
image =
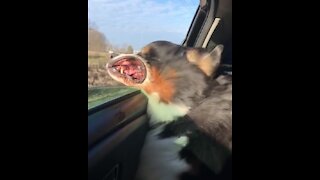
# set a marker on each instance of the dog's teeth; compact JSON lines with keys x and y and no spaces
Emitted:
{"x":121,"y":70}
{"x":114,"y":69}
{"x":140,"y":68}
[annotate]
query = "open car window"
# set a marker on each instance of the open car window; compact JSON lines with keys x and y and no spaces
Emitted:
{"x":125,"y":27}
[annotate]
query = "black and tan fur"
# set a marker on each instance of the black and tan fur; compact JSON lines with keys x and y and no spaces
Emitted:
{"x":186,"y":99}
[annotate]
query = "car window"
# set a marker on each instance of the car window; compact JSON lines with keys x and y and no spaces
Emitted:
{"x":125,"y":27}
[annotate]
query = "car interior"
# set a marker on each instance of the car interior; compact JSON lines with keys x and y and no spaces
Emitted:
{"x":117,"y":128}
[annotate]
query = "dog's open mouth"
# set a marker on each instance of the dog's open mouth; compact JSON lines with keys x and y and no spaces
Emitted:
{"x":127,"y":68}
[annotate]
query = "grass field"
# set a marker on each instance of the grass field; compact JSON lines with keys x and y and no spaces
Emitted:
{"x":97,"y":73}
{"x":97,"y":58}
{"x":99,"y":62}
{"x":99,"y":95}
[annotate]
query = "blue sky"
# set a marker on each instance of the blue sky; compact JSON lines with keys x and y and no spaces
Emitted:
{"x":138,"y":22}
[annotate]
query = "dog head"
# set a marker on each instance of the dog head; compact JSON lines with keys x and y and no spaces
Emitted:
{"x":175,"y":73}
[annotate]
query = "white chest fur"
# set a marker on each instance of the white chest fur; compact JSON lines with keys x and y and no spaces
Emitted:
{"x":160,"y":157}
{"x":163,"y":112}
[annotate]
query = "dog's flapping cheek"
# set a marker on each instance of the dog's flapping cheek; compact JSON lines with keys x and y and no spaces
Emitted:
{"x":161,"y":84}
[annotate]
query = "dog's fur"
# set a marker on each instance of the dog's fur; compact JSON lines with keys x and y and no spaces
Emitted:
{"x":189,"y":108}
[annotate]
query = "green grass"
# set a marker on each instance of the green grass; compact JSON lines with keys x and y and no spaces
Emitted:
{"x":97,"y":96}
{"x":97,"y":61}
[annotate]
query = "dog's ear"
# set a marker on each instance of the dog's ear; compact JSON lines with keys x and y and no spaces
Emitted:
{"x":147,"y":51}
{"x":207,"y":62}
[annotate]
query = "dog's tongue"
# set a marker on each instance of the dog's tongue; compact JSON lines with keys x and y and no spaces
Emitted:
{"x":130,"y":70}
{"x":134,"y":72}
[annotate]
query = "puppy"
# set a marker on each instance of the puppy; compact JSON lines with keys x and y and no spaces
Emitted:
{"x":189,"y":110}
